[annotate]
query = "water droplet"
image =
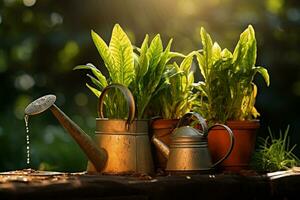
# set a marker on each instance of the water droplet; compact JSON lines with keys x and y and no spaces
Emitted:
{"x":26,"y":118}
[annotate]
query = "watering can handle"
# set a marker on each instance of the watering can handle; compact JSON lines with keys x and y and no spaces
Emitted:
{"x":200,"y":119}
{"x":128,"y":96}
{"x":229,"y":131}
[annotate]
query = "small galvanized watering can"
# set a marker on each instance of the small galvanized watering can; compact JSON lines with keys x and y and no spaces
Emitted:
{"x":121,"y":146}
{"x":188,"y":151}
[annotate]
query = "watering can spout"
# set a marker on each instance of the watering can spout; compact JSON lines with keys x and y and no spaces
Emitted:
{"x":98,"y":156}
{"x":162,"y":147}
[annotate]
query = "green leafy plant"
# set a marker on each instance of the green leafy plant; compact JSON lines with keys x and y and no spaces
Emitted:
{"x":228,"y":92}
{"x":141,"y":70}
{"x":119,"y":62}
{"x":150,"y":64}
{"x":175,"y":95}
{"x":274,"y":153}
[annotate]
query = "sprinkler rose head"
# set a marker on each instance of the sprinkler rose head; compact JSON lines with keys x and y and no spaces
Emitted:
{"x":40,"y":105}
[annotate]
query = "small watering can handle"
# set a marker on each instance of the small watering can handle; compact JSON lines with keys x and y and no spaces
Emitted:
{"x":128,"y":96}
{"x":231,"y":137}
{"x":200,"y":119}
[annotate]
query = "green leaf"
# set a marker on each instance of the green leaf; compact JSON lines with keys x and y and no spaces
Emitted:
{"x":81,"y":67}
{"x":162,"y":62}
{"x":252,"y":50}
{"x":201,"y":86}
{"x":264,"y":73}
{"x":226,"y":54}
{"x":96,"y":82}
{"x":94,"y":90}
{"x":216,"y":51}
{"x":154,"y":51}
{"x":239,"y":50}
{"x":143,"y":62}
{"x":176,"y":54}
{"x":244,"y":55}
{"x":98,"y":75}
{"x":137,"y":48}
{"x":191,"y":78}
{"x":201,"y":63}
{"x":187,"y":62}
{"x":101,"y":78}
{"x":122,"y":53}
{"x":104,"y":53}
{"x":205,"y":61}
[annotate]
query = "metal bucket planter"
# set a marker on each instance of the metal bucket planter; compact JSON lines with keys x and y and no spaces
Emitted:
{"x":126,"y":141}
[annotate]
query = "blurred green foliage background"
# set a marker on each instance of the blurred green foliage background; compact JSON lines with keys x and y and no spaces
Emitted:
{"x":42,"y":40}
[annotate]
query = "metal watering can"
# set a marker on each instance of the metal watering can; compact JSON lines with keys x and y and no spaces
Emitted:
{"x":120,"y":146}
{"x":188,"y":151}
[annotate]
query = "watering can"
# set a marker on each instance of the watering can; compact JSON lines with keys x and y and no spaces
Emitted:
{"x":188,"y":151}
{"x":120,"y":146}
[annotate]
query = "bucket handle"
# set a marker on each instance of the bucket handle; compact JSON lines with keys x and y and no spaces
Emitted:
{"x":128,"y":96}
{"x":231,"y":137}
{"x":200,"y":120}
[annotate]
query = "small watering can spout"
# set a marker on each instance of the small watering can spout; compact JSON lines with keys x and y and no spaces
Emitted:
{"x":98,"y":156}
{"x":162,"y":147}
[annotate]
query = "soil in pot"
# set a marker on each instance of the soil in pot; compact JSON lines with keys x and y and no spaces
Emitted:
{"x":162,"y":129}
{"x":244,"y":143}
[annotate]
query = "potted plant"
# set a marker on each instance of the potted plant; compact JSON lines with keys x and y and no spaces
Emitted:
{"x":173,"y":99}
{"x":228,"y":96}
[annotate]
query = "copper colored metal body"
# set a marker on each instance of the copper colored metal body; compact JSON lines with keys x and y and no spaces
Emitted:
{"x":188,"y":151}
{"x":126,"y":141}
{"x":129,"y":149}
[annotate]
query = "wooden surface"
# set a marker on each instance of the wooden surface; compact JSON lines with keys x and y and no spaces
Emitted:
{"x":27,"y":184}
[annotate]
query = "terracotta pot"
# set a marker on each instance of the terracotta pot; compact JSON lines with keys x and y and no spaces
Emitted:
{"x":244,"y":142}
{"x":162,"y":129}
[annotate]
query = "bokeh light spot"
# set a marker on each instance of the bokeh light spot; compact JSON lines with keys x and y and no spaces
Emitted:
{"x":274,"y":6}
{"x":66,"y":55}
{"x":29,"y":3}
{"x":293,"y":14}
{"x":56,"y":18}
{"x":23,"y":52}
{"x":24,"y":82}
